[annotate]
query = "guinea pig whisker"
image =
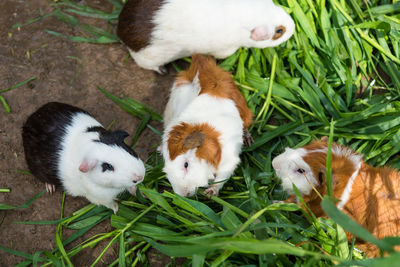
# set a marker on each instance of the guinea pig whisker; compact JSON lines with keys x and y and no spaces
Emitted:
{"x":218,"y":182}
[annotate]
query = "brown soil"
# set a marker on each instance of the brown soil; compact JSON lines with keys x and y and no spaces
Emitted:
{"x":67,"y":72}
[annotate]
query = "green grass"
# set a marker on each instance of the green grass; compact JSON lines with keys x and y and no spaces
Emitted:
{"x":338,"y":76}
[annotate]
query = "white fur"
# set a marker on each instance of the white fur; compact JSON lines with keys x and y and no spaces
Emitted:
{"x":347,"y":190}
{"x":216,"y":27}
{"x":180,"y":97}
{"x":286,"y":166}
{"x":98,"y":187}
{"x":224,"y":117}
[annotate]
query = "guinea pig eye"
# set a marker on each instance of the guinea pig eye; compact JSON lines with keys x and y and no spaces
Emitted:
{"x":186,"y":165}
{"x":107,"y":167}
{"x":279,"y":31}
{"x":301,"y":171}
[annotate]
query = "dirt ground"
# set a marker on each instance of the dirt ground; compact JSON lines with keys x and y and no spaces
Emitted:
{"x":67,"y":72}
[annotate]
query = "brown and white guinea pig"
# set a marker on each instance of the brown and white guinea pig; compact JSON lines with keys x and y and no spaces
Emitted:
{"x":369,"y":195}
{"x":66,"y":146}
{"x":159,"y":31}
{"x":204,"y":123}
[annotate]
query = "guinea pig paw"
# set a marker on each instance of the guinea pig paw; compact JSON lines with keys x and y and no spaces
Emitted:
{"x":132,"y":190}
{"x":50,"y":188}
{"x":114,"y":207}
{"x":247,"y":138}
{"x":162,"y":70}
{"x":211,"y":191}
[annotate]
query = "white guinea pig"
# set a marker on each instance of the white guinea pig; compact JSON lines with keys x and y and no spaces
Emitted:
{"x":157,"y":32}
{"x":66,"y":146}
{"x":205,"y":119}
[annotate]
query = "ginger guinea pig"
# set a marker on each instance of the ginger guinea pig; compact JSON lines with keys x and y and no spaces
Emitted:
{"x":66,"y":146}
{"x":204,"y":120}
{"x":369,"y":195}
{"x":157,"y":32}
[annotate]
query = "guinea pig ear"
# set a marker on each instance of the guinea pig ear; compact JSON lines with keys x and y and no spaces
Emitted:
{"x":193,"y":140}
{"x":322,"y":177}
{"x":325,"y":139}
{"x":260,"y":33}
{"x":210,"y":150}
{"x":87,"y":165}
{"x":120,"y":135}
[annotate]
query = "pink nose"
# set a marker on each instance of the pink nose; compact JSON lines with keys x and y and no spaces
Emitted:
{"x":137,"y":178}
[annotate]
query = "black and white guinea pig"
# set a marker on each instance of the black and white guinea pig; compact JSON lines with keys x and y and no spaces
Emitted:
{"x":66,"y":146}
{"x":158,"y":31}
{"x":205,"y":121}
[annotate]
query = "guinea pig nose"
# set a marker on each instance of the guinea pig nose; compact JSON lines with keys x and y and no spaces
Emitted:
{"x":186,"y":192}
{"x":137,"y":178}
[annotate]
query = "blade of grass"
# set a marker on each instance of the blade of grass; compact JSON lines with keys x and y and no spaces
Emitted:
{"x":27,"y":204}
{"x":329,"y":161}
{"x":18,"y":84}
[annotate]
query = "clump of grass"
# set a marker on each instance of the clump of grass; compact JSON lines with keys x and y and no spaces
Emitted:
{"x":338,"y":76}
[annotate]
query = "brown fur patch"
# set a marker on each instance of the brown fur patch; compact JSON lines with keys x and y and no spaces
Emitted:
{"x":342,"y":169}
{"x":217,"y":82}
{"x":375,"y":200}
{"x":375,"y":203}
{"x":279,"y":31}
{"x":205,"y":138}
{"x":317,"y":144}
{"x":135,"y":22}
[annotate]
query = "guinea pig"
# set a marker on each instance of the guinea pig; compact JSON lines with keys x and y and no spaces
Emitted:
{"x":367,"y":194}
{"x":157,"y":32}
{"x":205,"y":121}
{"x":65,"y":146}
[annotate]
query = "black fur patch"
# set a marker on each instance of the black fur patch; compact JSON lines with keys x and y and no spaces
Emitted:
{"x":42,"y":134}
{"x":135,"y":22}
{"x":113,"y":138}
